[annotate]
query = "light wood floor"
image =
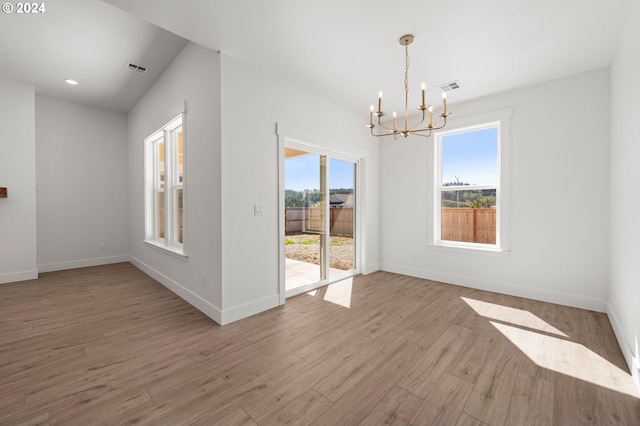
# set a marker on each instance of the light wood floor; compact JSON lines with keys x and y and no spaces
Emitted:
{"x":108,"y":345}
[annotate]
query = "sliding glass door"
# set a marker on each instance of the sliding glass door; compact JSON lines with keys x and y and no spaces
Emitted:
{"x":342,"y":217}
{"x":319,"y":219}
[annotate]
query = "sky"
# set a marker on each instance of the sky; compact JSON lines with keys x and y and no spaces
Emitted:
{"x":471,"y":157}
{"x":304,"y":173}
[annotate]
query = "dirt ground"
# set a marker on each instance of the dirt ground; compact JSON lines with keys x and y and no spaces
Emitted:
{"x":306,"y":248}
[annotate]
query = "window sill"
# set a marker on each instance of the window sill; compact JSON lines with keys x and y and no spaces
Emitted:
{"x":481,"y":251}
{"x":178,"y":254}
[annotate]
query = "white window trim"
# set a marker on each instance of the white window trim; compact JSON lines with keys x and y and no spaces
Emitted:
{"x":476,"y":122}
{"x":167,"y":244}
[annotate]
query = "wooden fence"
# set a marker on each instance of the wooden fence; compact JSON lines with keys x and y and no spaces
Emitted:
{"x":465,"y":224}
{"x":469,"y":225}
{"x":303,"y":219}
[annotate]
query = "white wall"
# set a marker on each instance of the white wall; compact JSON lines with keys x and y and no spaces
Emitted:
{"x":252,"y":104}
{"x":194,"y":77}
{"x":231,"y":164}
{"x":17,"y":173}
{"x":81,"y":158}
{"x":624,"y":291}
{"x":559,"y":151}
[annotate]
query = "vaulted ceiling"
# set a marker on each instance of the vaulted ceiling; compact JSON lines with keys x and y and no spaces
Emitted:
{"x":343,"y":50}
{"x":88,"y":41}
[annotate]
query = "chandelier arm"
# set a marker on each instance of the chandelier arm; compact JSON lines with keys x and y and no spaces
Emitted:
{"x":385,"y":127}
{"x":391,"y":133}
{"x":420,"y":134}
{"x":444,"y":122}
{"x":423,"y":130}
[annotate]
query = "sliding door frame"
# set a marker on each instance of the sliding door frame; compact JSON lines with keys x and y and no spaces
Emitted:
{"x":293,"y":138}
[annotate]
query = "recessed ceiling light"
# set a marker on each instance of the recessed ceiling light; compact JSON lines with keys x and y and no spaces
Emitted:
{"x":70,"y":82}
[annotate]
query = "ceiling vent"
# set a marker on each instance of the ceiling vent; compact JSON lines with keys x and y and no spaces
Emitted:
{"x":137,"y":68}
{"x":452,"y":85}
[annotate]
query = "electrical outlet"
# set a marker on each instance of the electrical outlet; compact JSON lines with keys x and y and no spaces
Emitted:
{"x":102,"y":246}
{"x":202,"y":279}
{"x":258,"y":210}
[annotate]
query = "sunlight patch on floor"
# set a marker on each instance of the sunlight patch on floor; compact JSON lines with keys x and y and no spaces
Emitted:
{"x":554,"y":353}
{"x":511,"y":315}
{"x":569,"y":358}
{"x":340,"y":292}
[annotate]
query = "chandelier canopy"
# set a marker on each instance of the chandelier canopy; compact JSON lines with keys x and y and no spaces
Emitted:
{"x":419,"y":128}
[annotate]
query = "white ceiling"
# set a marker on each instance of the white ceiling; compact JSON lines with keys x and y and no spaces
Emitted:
{"x":88,"y":41}
{"x":344,"y":50}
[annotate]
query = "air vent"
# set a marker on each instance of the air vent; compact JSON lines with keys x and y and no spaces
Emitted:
{"x":452,"y":85}
{"x":137,"y":68}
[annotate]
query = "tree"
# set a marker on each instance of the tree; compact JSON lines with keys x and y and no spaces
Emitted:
{"x":309,"y":197}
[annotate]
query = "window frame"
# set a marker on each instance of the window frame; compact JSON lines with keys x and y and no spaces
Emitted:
{"x":500,"y":120}
{"x":168,"y":135}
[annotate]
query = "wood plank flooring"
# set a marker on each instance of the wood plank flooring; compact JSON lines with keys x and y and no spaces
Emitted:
{"x":109,"y":345}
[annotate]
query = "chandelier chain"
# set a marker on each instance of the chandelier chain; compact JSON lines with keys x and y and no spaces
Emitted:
{"x":406,"y":67}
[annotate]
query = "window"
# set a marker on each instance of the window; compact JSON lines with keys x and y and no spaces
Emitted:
{"x":164,"y":171}
{"x":469,"y":197}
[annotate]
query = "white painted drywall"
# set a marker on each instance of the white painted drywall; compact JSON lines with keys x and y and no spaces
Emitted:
{"x":624,"y":283}
{"x":194,"y":77}
{"x":559,"y":163}
{"x":81,"y":158}
{"x":17,"y":173}
{"x":231,"y":164}
{"x":252,"y":103}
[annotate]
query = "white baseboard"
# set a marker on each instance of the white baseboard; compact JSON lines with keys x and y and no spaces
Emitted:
{"x":633,"y":362}
{"x":82,"y":263}
{"x":576,"y":301}
{"x":18,"y":276}
{"x":220,"y":316}
{"x":246,"y":310}
{"x":371,"y":268}
{"x":187,"y":295}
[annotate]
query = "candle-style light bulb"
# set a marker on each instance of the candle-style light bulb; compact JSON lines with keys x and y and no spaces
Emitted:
{"x":395,"y":126}
{"x":380,"y":101}
{"x":444,"y":103}
{"x":371,"y":115}
{"x":423,"y":89}
{"x":430,"y":116}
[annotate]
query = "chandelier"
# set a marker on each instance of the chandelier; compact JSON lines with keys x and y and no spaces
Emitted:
{"x":419,"y":128}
